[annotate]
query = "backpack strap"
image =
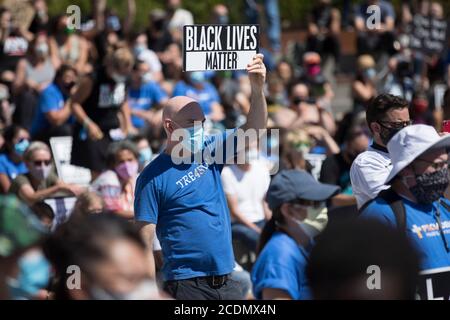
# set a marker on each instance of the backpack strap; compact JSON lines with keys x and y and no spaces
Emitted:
{"x":396,"y":204}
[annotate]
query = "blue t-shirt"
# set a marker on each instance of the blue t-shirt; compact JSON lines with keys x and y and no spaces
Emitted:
{"x":188,"y":206}
{"x":422,"y":228}
{"x":51,"y":99}
{"x":143,"y":98}
{"x":11,"y":169}
{"x":281,"y":265}
{"x":205,"y":96}
{"x":386,"y":10}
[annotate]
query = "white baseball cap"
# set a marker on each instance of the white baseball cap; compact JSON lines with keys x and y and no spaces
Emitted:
{"x":411,"y":142}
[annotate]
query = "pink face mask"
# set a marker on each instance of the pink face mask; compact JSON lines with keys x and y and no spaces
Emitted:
{"x":127,"y":170}
{"x":313,"y":70}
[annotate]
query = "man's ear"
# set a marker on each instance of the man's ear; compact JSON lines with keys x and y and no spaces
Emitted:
{"x":167,"y":126}
{"x":375,"y":127}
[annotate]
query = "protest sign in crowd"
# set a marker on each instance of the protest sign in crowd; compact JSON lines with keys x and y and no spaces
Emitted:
{"x":224,"y":160}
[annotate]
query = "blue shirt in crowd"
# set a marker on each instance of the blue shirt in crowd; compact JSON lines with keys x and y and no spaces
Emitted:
{"x":386,"y":10}
{"x":188,"y":206}
{"x":281,"y":265}
{"x":143,"y":98}
{"x":422,"y":228}
{"x":51,"y":99}
{"x":10,"y":168}
{"x":205,"y":96}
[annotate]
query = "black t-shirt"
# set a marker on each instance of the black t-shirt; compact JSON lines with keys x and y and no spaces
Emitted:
{"x":11,"y":50}
{"x":321,"y":16}
{"x":335,"y":170}
{"x":105,"y":101}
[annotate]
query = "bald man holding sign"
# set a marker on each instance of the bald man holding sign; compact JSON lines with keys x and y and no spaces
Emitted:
{"x":185,"y":204}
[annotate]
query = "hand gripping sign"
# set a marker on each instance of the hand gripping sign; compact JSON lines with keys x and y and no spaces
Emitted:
{"x":219,"y":47}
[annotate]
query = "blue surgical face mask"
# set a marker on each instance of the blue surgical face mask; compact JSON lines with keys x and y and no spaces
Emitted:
{"x":21,"y":146}
{"x":145,"y":155}
{"x":138,"y":49}
{"x":196,"y":138}
{"x":34,"y":275}
{"x":197,"y":77}
{"x":370,"y":73}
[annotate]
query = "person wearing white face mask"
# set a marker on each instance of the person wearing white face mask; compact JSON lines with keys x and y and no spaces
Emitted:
{"x":116,"y":185}
{"x":33,"y":74}
{"x":99,"y":104}
{"x":285,"y":243}
{"x":40,"y":182}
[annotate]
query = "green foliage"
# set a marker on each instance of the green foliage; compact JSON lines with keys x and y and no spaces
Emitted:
{"x":293,"y":12}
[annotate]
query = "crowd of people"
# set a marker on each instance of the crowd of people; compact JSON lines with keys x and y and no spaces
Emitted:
{"x":324,"y":196}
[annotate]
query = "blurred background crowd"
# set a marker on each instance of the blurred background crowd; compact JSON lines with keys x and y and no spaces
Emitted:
{"x":102,"y":88}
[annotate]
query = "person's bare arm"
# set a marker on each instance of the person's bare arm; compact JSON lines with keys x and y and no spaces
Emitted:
{"x":257,"y":116}
{"x":362,"y":91}
{"x":359,"y":24}
{"x":267,"y":211}
{"x":81,"y":93}
{"x":83,"y":58}
{"x":147,"y":231}
{"x":5,"y":183}
{"x":343,"y":200}
{"x":54,"y":53}
{"x":59,"y":117}
{"x":239,"y":216}
{"x":126,"y":114}
{"x":389,"y":24}
{"x":99,"y":14}
{"x":30,"y":196}
{"x":335,"y":21}
{"x":275,"y":294}
{"x":130,"y":17}
{"x":20,"y":79}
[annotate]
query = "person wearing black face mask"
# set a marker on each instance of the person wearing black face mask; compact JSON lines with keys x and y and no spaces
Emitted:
{"x":53,"y":115}
{"x":336,"y":168}
{"x":416,"y":204}
{"x":386,"y":114}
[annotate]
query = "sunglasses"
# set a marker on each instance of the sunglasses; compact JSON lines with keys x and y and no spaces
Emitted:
{"x":39,"y":163}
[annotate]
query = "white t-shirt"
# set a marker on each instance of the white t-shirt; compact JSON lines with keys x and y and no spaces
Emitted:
{"x":249,"y":187}
{"x":180,"y":18}
{"x":150,"y":58}
{"x":368,"y":173}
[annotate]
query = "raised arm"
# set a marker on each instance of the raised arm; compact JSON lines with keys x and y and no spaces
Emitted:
{"x":257,"y":116}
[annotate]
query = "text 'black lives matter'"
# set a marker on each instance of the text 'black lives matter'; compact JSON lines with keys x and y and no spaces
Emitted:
{"x":219,"y":47}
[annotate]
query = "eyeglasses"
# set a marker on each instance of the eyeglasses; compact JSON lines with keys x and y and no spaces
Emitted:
{"x":39,"y":163}
{"x":436,"y":165}
{"x":395,"y":124}
{"x":298,"y":100}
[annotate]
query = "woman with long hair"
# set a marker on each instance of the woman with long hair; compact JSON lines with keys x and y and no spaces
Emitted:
{"x":279,"y":271}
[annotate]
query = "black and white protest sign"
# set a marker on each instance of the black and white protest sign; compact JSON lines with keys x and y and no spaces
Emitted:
{"x":219,"y":47}
{"x":428,"y":34}
{"x":434,"y":284}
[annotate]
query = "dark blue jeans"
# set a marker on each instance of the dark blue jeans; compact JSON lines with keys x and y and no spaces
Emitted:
{"x":248,"y":237}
